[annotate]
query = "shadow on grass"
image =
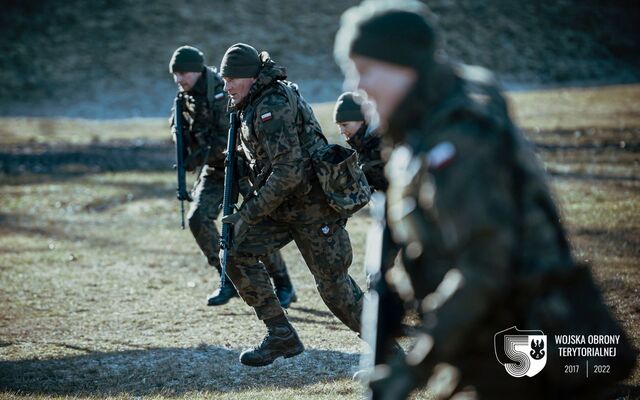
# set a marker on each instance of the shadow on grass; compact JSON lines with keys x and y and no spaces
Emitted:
{"x":169,"y":371}
{"x":314,"y":312}
{"x":598,"y":147}
{"x":76,"y":160}
{"x":592,"y":177}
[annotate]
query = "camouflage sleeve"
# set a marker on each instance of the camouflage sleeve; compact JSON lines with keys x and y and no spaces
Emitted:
{"x":172,"y":126}
{"x":369,"y":158}
{"x":219,"y":120}
{"x":372,"y":164}
{"x":475,"y":215}
{"x":275,"y":127}
{"x":172,"y":120}
{"x":243,"y":174}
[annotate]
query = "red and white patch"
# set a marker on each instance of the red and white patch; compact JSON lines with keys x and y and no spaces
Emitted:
{"x":266,"y":117}
{"x":219,"y":96}
{"x":441,"y":155}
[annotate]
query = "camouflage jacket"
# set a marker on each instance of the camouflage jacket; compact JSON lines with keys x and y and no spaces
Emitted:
{"x":270,"y":138}
{"x":469,"y":204}
{"x":368,"y":146}
{"x":206,"y":121}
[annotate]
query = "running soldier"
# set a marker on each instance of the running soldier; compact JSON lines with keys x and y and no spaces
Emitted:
{"x":353,"y":115}
{"x":483,"y":248}
{"x":287,"y":204}
{"x":205,"y":135}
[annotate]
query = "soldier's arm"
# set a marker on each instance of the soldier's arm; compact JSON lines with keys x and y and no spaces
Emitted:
{"x":372,"y":164}
{"x":276,"y":130}
{"x":242,"y":174}
{"x":475,"y":210}
{"x":219,"y":124}
{"x":369,"y":159}
{"x":172,"y":120}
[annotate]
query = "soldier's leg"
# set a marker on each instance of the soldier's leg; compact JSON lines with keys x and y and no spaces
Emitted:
{"x":328,"y":255}
{"x":278,"y":271}
{"x":252,"y":281}
{"x":207,"y":196}
{"x":204,"y":210}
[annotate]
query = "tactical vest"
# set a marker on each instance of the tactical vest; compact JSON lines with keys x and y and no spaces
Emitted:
{"x":336,"y":167}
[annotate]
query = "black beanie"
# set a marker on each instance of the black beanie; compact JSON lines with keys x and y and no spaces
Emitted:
{"x":240,"y":61}
{"x":400,"y":34}
{"x":348,"y":108}
{"x":186,"y":59}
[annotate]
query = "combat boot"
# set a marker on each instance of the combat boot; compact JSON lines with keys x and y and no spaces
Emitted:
{"x":223,"y":294}
{"x":284,"y":290}
{"x":281,"y":341}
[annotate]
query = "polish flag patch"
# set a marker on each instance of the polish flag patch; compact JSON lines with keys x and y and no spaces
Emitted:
{"x":219,"y":96}
{"x":266,"y":117}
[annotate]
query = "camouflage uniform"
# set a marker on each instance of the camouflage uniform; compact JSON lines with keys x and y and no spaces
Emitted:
{"x":483,"y":248}
{"x":368,"y":145}
{"x":206,"y":136}
{"x":290,"y":205}
{"x":470,"y":206}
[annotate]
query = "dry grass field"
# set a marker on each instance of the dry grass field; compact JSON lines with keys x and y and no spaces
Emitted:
{"x":102,"y":295}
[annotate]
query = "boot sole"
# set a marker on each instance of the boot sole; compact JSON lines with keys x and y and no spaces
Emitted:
{"x":269,"y":362}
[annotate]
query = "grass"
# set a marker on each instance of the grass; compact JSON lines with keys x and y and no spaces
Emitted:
{"x":102,"y":295}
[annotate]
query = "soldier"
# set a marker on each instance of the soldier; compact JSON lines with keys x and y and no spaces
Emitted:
{"x":355,"y":117}
{"x":287,"y":202}
{"x":469,"y":206}
{"x":361,"y":135}
{"x":206,"y":137}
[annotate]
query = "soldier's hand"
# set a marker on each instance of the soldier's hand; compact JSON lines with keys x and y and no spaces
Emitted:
{"x":235,"y":220}
{"x":231,"y":219}
{"x":394,"y":382}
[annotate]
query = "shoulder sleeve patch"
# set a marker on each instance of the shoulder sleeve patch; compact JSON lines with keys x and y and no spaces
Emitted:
{"x":266,"y":116}
{"x":441,"y":155}
{"x":218,"y":96}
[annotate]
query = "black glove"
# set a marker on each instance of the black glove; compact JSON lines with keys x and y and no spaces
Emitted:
{"x":392,"y":382}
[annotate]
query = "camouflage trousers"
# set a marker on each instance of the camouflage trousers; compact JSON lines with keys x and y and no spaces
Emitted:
{"x":328,"y":256}
{"x":207,"y":200}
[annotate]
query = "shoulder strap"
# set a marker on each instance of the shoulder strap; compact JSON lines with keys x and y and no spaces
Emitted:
{"x":292,"y":97}
{"x":211,"y":83}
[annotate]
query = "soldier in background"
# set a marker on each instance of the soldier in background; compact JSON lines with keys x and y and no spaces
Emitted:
{"x":352,"y":114}
{"x":278,"y":132}
{"x":468,"y":203}
{"x":205,"y":134}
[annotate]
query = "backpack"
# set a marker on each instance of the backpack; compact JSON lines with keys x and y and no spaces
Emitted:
{"x":343,"y":182}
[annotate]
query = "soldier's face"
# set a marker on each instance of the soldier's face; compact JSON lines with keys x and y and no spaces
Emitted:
{"x":349,"y":128}
{"x":237,"y":88}
{"x":385,"y":83}
{"x":186,"y":80}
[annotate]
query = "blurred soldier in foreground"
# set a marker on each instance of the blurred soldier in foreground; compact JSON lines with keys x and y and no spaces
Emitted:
{"x":278,"y":135}
{"x":483,"y":249}
{"x":205,"y":137}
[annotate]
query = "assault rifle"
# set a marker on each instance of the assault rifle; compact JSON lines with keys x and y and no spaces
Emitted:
{"x":229,"y":197}
{"x":181,"y":154}
{"x":383,"y":309}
